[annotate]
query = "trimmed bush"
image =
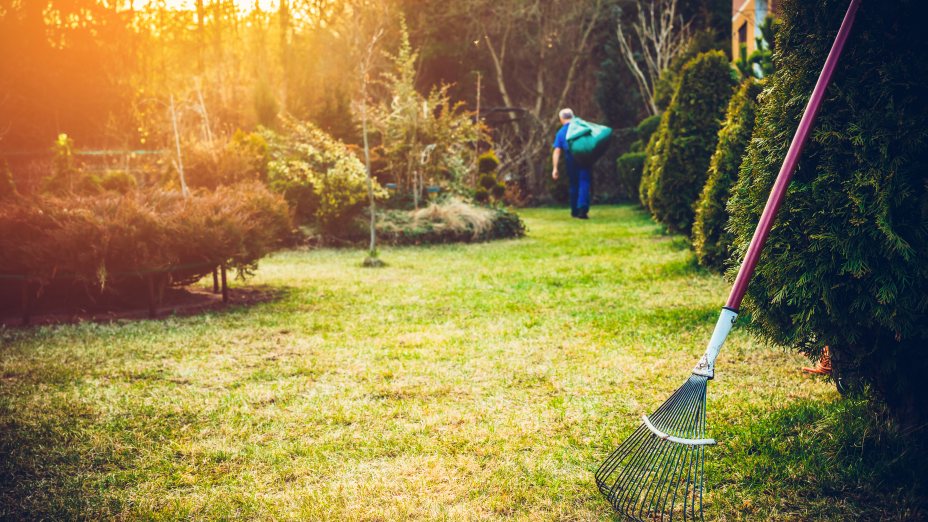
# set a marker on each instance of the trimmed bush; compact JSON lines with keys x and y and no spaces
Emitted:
{"x":628,"y":173}
{"x":686,"y":139}
{"x":110,"y":242}
{"x":620,"y":182}
{"x":702,"y":41}
{"x":646,"y":186}
{"x":643,"y":132}
{"x":711,"y":240}
{"x":323,"y":181}
{"x":845,"y":262}
{"x":487,"y":162}
{"x":482,"y":195}
{"x":487,"y":180}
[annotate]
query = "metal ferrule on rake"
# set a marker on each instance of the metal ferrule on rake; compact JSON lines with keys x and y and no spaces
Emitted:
{"x":706,"y":365}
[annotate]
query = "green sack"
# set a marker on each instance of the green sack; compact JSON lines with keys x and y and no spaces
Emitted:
{"x":587,"y":141}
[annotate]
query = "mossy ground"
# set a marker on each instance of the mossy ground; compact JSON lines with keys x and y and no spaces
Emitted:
{"x":478,"y":381}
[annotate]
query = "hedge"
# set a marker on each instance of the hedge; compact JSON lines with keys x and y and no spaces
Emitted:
{"x":845,"y":262}
{"x":711,"y":240}
{"x":677,"y":160}
{"x":110,"y":242}
{"x":628,"y":169}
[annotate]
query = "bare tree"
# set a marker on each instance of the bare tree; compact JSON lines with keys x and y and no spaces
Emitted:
{"x":661,"y":34}
{"x":538,"y":49}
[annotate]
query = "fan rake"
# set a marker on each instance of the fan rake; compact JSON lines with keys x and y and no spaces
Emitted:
{"x":657,"y":473}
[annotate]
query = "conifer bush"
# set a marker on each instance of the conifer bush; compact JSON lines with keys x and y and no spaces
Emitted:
{"x":677,"y":160}
{"x":845,"y":262}
{"x":643,"y":132}
{"x":110,"y":242}
{"x":711,"y":240}
{"x":628,"y":169}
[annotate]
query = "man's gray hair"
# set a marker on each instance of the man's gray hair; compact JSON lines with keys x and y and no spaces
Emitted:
{"x":566,"y":114}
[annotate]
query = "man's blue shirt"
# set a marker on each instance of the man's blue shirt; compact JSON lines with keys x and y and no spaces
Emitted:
{"x":560,"y":142}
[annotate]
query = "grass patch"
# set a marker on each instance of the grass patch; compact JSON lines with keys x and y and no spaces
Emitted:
{"x":476,"y":381}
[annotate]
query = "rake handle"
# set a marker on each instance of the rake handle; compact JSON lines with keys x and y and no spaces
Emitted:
{"x":789,"y":164}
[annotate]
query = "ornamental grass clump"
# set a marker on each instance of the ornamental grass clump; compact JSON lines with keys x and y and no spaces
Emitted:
{"x":711,"y":240}
{"x":448,"y":221}
{"x":844,"y":266}
{"x":678,"y":155}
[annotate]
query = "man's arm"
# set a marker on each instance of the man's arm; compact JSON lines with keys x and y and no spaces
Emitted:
{"x":556,"y":159}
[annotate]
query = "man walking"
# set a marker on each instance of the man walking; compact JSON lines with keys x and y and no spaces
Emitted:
{"x":578,"y":176}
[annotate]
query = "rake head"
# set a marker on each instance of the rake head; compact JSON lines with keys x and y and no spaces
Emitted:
{"x":657,"y":473}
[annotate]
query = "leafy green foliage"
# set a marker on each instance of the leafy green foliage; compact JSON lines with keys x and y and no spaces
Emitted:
{"x":324,"y":182}
{"x":111,"y":240}
{"x":711,"y":239}
{"x":424,"y":140}
{"x":701,"y":42}
{"x":621,"y":182}
{"x":628,"y":174}
{"x":679,"y":152}
{"x":643,"y":132}
{"x":760,"y":63}
{"x":844,"y":265}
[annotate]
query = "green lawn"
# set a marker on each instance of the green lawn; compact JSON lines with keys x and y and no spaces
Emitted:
{"x":476,"y":381}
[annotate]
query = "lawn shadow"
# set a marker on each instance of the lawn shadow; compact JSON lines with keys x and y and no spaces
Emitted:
{"x":179,"y":302}
{"x":819,"y":460}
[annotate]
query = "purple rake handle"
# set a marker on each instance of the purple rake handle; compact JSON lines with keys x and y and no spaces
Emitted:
{"x":789,"y":164}
{"x":706,"y":365}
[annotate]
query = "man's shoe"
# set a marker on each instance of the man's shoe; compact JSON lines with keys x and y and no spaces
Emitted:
{"x":583,"y":216}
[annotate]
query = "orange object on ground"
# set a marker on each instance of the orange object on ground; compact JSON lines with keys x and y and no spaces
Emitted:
{"x":824,"y":364}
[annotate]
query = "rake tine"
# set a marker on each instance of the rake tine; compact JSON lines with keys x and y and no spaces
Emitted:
{"x":667,"y":455}
{"x":660,"y":499}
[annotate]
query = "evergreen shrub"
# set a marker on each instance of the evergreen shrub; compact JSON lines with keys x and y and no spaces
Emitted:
{"x":110,"y":242}
{"x":643,"y":132}
{"x":711,"y":240}
{"x":845,"y":265}
{"x":676,"y":165}
{"x":628,"y":172}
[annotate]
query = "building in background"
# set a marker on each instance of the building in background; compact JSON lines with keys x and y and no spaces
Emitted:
{"x":747,"y":17}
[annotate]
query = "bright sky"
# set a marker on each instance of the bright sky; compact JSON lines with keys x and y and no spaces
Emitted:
{"x":244,"y":5}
